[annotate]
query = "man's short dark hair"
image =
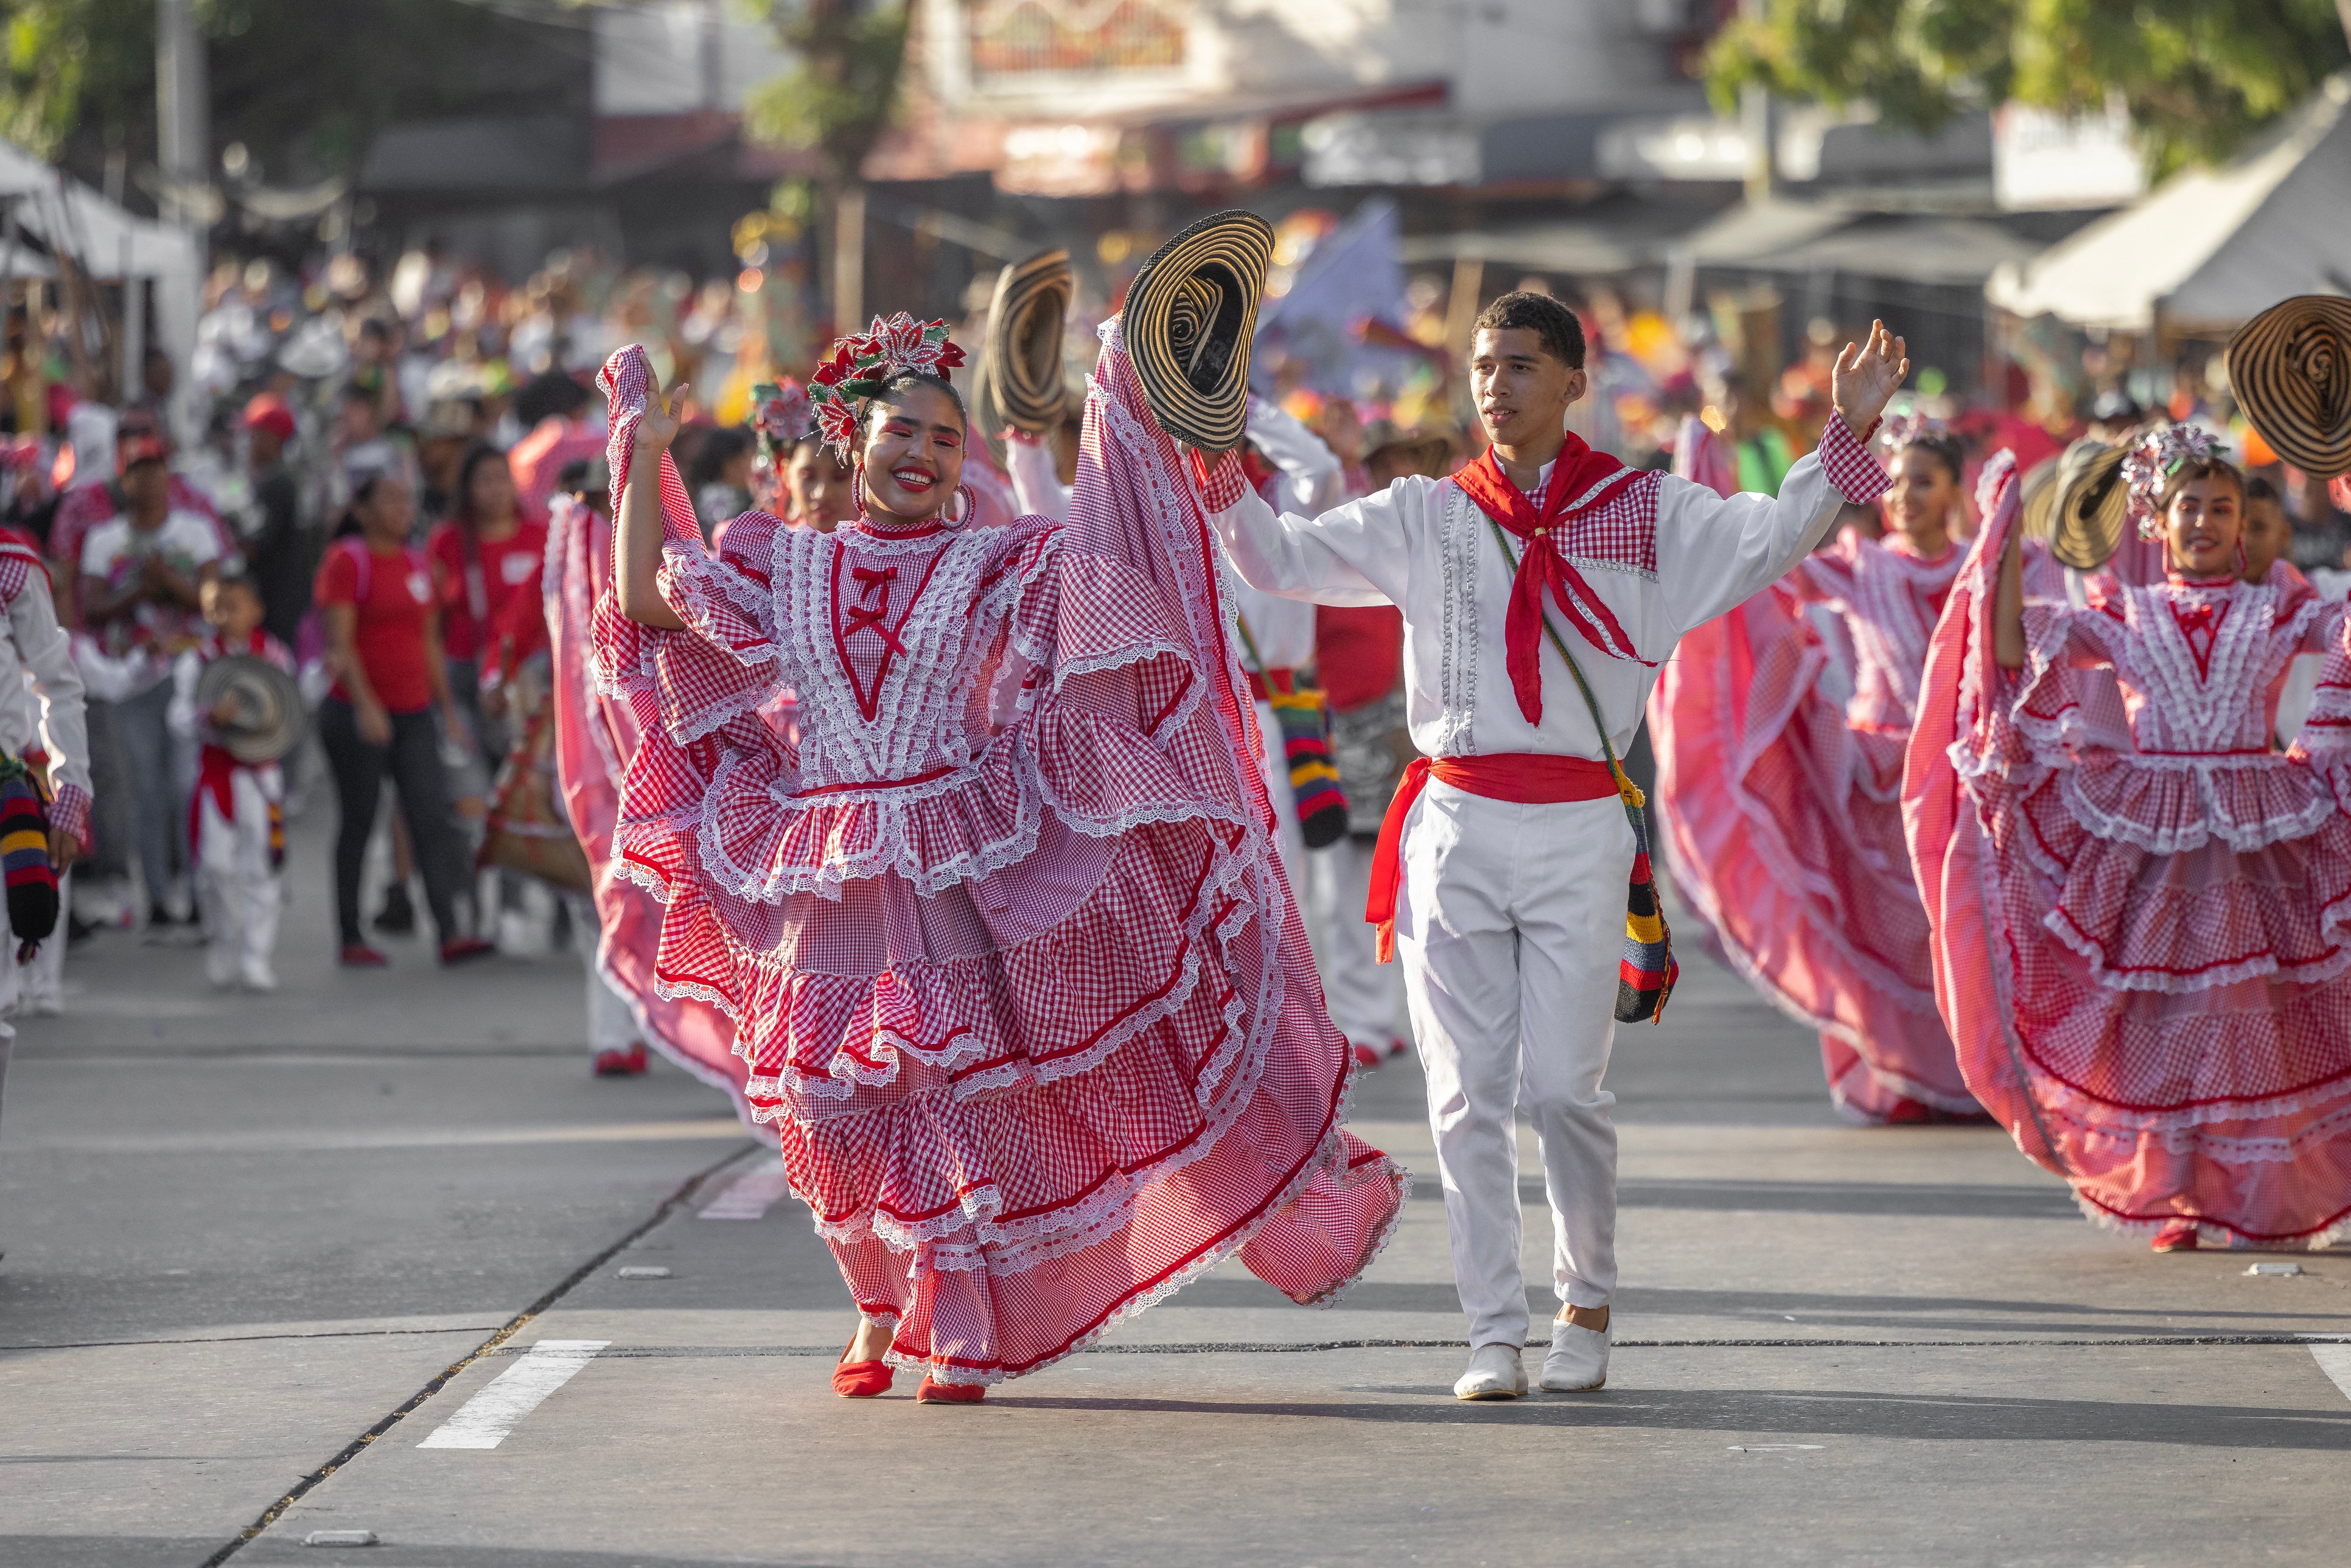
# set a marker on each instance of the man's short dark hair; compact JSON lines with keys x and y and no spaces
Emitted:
{"x":2259,"y":489}
{"x":1554,"y":324}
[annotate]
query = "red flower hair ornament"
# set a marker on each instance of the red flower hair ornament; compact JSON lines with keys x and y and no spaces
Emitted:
{"x":863,"y":367}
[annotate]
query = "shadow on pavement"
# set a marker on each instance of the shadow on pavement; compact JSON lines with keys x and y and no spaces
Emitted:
{"x":1743,"y":1412}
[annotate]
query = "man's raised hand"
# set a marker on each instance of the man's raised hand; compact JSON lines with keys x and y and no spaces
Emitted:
{"x":1866,"y":373}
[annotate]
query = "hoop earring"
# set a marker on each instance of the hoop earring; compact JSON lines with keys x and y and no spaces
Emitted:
{"x":968,"y":503}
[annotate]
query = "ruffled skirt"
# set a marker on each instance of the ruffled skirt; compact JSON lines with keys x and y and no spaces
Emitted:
{"x":1784,"y":828}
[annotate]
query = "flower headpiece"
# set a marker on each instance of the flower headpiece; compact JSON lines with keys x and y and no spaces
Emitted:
{"x":863,"y":367}
{"x":2151,"y":463}
{"x":1900,"y":430}
{"x":781,"y":417}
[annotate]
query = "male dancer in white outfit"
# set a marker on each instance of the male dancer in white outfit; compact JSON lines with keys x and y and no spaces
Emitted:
{"x":1510,"y":912}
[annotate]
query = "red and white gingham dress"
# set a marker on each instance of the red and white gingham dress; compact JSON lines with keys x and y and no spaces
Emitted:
{"x":1784,"y":819}
{"x":594,"y":732}
{"x":1009,"y":955}
{"x":2145,"y":958}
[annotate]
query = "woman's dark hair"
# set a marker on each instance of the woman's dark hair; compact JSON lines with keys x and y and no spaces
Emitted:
{"x":905,"y":380}
{"x":461,"y":502}
{"x":364,"y":491}
{"x":1943,"y":446}
{"x":1553,"y":323}
{"x":2193,"y":468}
{"x":722,"y":447}
{"x":2259,"y":489}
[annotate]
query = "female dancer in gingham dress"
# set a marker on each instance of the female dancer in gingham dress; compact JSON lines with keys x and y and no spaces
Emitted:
{"x":1782,"y":804}
{"x":1001,"y":929}
{"x":2144,"y":955}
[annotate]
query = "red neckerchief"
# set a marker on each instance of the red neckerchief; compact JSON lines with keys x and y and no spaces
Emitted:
{"x":1581,"y":477}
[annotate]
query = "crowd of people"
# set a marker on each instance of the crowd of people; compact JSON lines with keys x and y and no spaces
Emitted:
{"x":1014,"y":791}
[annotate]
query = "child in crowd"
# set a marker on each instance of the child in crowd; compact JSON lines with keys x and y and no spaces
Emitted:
{"x":236,"y":825}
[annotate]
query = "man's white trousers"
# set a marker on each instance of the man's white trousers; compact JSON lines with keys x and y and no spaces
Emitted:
{"x":1509,"y":926}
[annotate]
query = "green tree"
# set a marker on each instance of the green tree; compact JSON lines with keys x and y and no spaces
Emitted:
{"x":2199,"y":76}
{"x":835,"y":103}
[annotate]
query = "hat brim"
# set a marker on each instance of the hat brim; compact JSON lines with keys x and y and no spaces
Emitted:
{"x":1189,"y":320}
{"x":2040,"y":488}
{"x":267,"y":693}
{"x":2289,"y":370}
{"x":2089,"y":511}
{"x":1025,"y":322}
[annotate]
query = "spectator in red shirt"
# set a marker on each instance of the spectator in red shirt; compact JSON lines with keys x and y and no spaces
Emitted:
{"x":481,"y":558}
{"x":383,"y":645}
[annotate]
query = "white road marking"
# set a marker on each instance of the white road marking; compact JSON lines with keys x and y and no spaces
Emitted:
{"x":747,"y":1197}
{"x":2335,"y":1360}
{"x":483,"y":1421}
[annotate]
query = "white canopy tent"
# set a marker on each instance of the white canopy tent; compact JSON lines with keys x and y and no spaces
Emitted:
{"x":109,"y":244}
{"x":2209,"y":248}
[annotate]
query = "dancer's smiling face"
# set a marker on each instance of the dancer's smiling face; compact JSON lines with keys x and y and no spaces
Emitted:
{"x":912,"y":453}
{"x":2203,"y":521}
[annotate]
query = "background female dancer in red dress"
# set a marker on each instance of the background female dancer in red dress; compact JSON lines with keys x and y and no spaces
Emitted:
{"x":1783,"y":805}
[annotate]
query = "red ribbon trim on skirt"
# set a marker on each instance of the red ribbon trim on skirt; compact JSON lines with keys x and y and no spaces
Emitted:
{"x":1522,"y":778}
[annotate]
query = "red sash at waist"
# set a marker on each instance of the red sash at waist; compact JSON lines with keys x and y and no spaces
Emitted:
{"x":1522,"y":778}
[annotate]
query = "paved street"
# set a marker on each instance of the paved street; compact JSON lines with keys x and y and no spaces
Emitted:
{"x":257,"y":1249}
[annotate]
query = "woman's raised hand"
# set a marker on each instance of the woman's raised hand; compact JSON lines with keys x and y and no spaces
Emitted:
{"x":1865,"y":374}
{"x":664,"y":416}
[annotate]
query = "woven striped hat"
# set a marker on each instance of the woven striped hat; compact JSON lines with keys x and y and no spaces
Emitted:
{"x":1190,"y":314}
{"x":2039,"y":518}
{"x":2290,"y":369}
{"x":1023,"y":361}
{"x":2091,"y":504}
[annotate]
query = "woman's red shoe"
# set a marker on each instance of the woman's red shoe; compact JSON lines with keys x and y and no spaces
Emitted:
{"x":2177,"y":1236}
{"x":860,"y":1379}
{"x":358,"y":955}
{"x":932,"y":1393}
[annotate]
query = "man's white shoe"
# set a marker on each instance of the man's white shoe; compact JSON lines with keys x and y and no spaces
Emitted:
{"x":1494,"y":1373}
{"x":1578,"y":1361}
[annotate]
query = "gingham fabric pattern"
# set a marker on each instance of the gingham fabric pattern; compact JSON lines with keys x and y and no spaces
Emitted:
{"x":1010,"y":958}
{"x":2143,"y":958}
{"x":1851,"y":466}
{"x":593,"y":733}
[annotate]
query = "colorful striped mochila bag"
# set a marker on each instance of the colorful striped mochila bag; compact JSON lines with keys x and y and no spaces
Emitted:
{"x":1646,"y":973}
{"x":1305,"y":721}
{"x":24,"y":855}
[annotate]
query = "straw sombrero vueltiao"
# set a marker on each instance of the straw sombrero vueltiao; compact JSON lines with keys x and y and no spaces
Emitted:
{"x":2090,"y":506}
{"x":255,"y":707}
{"x":1190,"y":314}
{"x":2040,"y":488}
{"x":2290,"y":369}
{"x":1024,"y":341}
{"x":1420,"y":448}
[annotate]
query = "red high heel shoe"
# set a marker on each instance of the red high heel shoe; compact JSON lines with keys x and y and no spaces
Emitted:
{"x":931,"y":1393}
{"x":859,"y":1379}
